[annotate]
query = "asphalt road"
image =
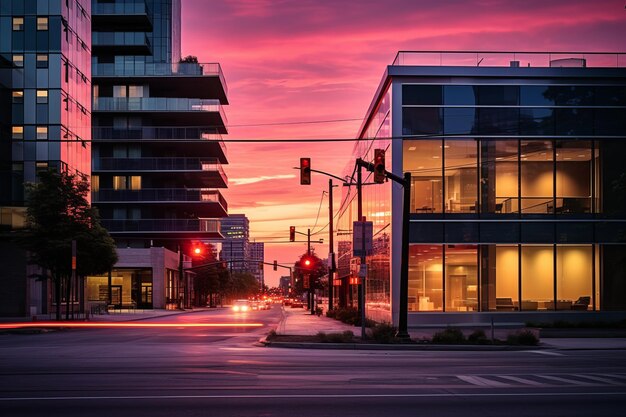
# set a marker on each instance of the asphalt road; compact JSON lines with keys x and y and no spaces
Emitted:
{"x":222,"y":372}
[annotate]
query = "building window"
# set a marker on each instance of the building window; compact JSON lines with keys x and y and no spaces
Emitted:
{"x":18,"y":60}
{"x":422,"y":120}
{"x":95,"y":183}
{"x":135,"y":182}
{"x":42,"y":23}
{"x":425,"y":278}
{"x":42,"y":132}
{"x":461,"y":181}
{"x":119,"y":182}
{"x":42,"y":61}
{"x":461,"y":273}
{"x":499,"y":176}
{"x":573,"y":176}
{"x":537,"y":278}
{"x":17,"y":96}
{"x":17,"y":132}
{"x":42,"y":96}
{"x":574,"y":277}
{"x":18,"y":23}
{"x":537,"y":169}
{"x":424,"y":159}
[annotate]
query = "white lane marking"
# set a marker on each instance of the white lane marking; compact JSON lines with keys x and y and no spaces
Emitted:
{"x":287,"y":396}
{"x":483,"y":382}
{"x":522,"y":380}
{"x":598,"y":379}
{"x":567,"y":381}
{"x":545,"y":352}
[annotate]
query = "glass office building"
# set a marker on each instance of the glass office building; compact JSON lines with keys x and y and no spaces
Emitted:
{"x":45,"y":123}
{"x":158,"y":153}
{"x":518,"y":182}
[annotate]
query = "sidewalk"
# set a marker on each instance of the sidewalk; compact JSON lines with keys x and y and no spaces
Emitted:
{"x":300,"y":322}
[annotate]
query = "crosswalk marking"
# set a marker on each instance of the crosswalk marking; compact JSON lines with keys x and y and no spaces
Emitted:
{"x":481,"y":381}
{"x":521,"y":380}
{"x":598,"y":379}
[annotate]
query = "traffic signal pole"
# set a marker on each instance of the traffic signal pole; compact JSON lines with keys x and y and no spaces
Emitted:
{"x":331,"y":252}
{"x":361,"y":285}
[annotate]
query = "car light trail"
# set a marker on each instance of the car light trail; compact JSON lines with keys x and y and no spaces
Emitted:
{"x":44,"y":324}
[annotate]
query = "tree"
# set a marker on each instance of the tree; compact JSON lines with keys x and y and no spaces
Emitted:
{"x":190,"y":59}
{"x":58,"y":212}
{"x":241,"y":285}
{"x":316,"y":270}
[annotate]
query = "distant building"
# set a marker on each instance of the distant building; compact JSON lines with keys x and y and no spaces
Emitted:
{"x":45,"y":123}
{"x":517,"y":187}
{"x":257,"y":254}
{"x":284,"y":284}
{"x":235,"y":249}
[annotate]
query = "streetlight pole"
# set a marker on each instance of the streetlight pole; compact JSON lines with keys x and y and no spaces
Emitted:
{"x":361,"y":286}
{"x":331,"y":252}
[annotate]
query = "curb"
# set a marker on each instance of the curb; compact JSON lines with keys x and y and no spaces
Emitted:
{"x":400,"y":347}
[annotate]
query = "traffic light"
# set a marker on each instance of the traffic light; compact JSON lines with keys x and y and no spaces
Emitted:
{"x":197,"y":250}
{"x":275,"y":265}
{"x":307,"y":263}
{"x":379,"y":166}
{"x":292,"y":233}
{"x":305,"y":171}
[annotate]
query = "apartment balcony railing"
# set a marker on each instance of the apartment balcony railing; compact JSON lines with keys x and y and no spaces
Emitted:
{"x":162,"y":225}
{"x":510,"y":59}
{"x":135,"y":40}
{"x":159,"y":164}
{"x":160,"y":195}
{"x":119,"y":8}
{"x":142,"y":69}
{"x":158,"y":133}
{"x":157,"y":104}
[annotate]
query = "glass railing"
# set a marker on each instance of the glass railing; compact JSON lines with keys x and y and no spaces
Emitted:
{"x":158,"y":195}
{"x":158,"y":104}
{"x":162,"y":225}
{"x":142,"y":69}
{"x":159,"y":133}
{"x":160,"y":164}
{"x":120,"y":8}
{"x":120,"y":39}
{"x":511,"y":59}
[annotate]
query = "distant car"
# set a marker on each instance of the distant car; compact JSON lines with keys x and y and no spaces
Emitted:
{"x":287,"y":301}
{"x":255,"y":305}
{"x":297,"y":304}
{"x":241,"y":306}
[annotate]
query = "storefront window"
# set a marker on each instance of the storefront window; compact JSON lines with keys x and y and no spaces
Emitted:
{"x":537,"y":278}
{"x":425,"y":278}
{"x":461,"y":266}
{"x":574,"y":277}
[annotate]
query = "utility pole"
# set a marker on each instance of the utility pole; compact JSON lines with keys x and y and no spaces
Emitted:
{"x":180,"y":275}
{"x":331,"y":252}
{"x":361,"y":285}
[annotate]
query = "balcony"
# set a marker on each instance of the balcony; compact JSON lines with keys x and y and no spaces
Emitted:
{"x":201,"y":140}
{"x":188,"y":79}
{"x":215,"y":175}
{"x":121,"y":16}
{"x":208,"y":228}
{"x":510,"y":59}
{"x":187,"y":111}
{"x":121,"y":43}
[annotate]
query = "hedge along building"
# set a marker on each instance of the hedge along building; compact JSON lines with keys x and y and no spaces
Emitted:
{"x":518,"y":187}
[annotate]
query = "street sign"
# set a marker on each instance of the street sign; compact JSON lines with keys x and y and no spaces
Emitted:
{"x":337,"y":282}
{"x":362,"y":230}
{"x":355,"y":280}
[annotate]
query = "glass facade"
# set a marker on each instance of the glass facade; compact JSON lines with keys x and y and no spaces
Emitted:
{"x":513,"y":193}
{"x":130,"y":288}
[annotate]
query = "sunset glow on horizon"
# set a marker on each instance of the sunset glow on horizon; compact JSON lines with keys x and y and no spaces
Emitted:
{"x":293,"y":61}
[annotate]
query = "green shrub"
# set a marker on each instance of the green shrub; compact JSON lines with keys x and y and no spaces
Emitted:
{"x":478,"y":337}
{"x":449,"y":336}
{"x":522,"y":337}
{"x":384,"y":333}
{"x":331,"y":314}
{"x":349,"y":315}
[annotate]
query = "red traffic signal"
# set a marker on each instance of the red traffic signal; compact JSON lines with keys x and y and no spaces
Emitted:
{"x":292,"y":233}
{"x":307,"y":263}
{"x":275,"y":265}
{"x":379,"y":166}
{"x":305,"y":171}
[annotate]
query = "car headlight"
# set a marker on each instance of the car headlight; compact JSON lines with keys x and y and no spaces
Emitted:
{"x":244,"y":308}
{"x":235,"y":308}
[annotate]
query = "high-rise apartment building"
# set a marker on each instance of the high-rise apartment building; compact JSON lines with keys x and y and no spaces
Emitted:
{"x":45,"y":122}
{"x":158,"y":152}
{"x":517,"y":187}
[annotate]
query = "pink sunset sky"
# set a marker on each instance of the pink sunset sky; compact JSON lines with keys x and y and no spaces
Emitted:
{"x":289,"y":61}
